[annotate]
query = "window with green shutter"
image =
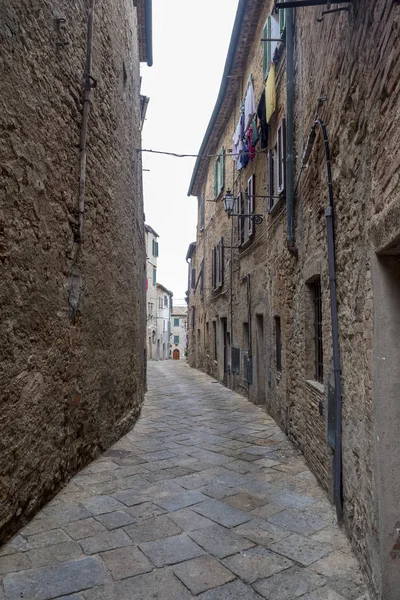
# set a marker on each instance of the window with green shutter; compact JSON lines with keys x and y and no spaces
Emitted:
{"x":219,"y":173}
{"x":282,"y":21}
{"x":176,"y":339}
{"x":176,"y":322}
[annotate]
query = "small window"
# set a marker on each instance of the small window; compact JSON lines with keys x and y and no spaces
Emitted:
{"x":176,"y":322}
{"x":278,"y":344}
{"x":215,"y":340}
{"x":160,"y":303}
{"x":176,"y":339}
{"x":155,"y":247}
{"x":219,"y":173}
{"x":193,"y":279}
{"x":318,"y":341}
{"x":217,"y":265}
{"x":165,"y":301}
{"x":201,"y":212}
{"x":251,"y":204}
{"x":154,"y":275}
{"x":276,"y":167}
{"x":272,"y":31}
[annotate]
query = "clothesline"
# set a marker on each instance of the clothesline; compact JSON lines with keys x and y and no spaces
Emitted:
{"x":262,"y":151}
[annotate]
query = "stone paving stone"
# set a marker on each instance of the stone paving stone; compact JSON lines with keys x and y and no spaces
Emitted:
{"x":188,"y":520}
{"x":108,"y":540}
{"x":161,"y":455}
{"x":116,"y":519}
{"x":197,"y":480}
{"x":47,"y":538}
{"x":126,"y":562}
{"x":14,"y":562}
{"x":261,"y":532}
{"x":244,"y":501}
{"x":41,"y":557}
{"x":237,"y":590}
{"x":56,"y":580}
{"x":145,"y":510}
{"x":297,"y":521}
{"x":290,"y":499}
{"x":288,"y":584}
{"x":325,"y":593}
{"x":66,"y":513}
{"x":335,"y":537}
{"x":217,"y":491}
{"x":152,"y":529}
{"x":221,"y":513}
{"x":17,"y":544}
{"x":219,"y":541}
{"x":256,"y":563}
{"x":265,"y":511}
{"x":202,"y":574}
{"x":83,"y":529}
{"x":171,"y":503}
{"x":301,"y":549}
{"x":171,"y":550}
{"x":160,"y":585}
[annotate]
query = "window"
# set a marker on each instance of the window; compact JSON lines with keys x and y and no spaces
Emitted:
{"x":176,"y":322}
{"x":219,"y":173}
{"x":277,"y":167}
{"x":278,"y":344}
{"x":154,"y":275}
{"x":201,"y":212}
{"x":215,"y":340}
{"x":193,"y":279}
{"x":318,"y":342}
{"x":193,"y":317}
{"x":176,"y":339}
{"x":155,"y":247}
{"x":251,"y":204}
{"x":274,"y":28}
{"x":240,"y":200}
{"x":165,"y":301}
{"x":217,"y":266}
{"x":235,"y":360}
{"x":160,"y":303}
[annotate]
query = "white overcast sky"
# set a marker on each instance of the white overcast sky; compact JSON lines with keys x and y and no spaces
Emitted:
{"x":190,"y":44}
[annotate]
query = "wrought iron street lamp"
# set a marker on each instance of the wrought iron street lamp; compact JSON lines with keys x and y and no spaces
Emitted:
{"x":229,"y":203}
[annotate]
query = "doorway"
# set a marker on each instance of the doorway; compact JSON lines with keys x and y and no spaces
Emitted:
{"x":225,"y":349}
{"x":176,"y":354}
{"x":260,"y":392}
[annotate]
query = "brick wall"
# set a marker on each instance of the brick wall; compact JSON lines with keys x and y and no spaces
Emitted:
{"x":71,"y":335}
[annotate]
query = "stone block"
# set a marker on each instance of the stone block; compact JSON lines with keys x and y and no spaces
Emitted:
{"x":298,"y":522}
{"x":256,"y":563}
{"x":221,"y":513}
{"x":301,"y":549}
{"x":83,"y":529}
{"x":41,"y":557}
{"x":107,"y":540}
{"x":47,"y":538}
{"x":244,"y":501}
{"x":219,"y":541}
{"x":152,"y":529}
{"x":145,"y":510}
{"x":126,"y":562}
{"x":98,"y":505}
{"x":236,"y":590}
{"x":172,"y":503}
{"x":116,"y":519}
{"x":56,"y":580}
{"x":171,"y":550}
{"x":203,"y":573}
{"x":188,"y":520}
{"x":289,"y":584}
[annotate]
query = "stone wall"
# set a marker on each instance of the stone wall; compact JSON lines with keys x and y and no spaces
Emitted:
{"x":352,"y":58}
{"x":71,"y":331}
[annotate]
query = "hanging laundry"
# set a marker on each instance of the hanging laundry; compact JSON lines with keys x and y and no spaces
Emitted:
{"x":270,"y":92}
{"x":236,"y":142}
{"x":249,"y":106}
{"x":254,"y":132}
{"x":262,"y":116}
{"x":251,"y":147}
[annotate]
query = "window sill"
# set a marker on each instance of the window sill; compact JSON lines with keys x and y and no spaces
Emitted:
{"x":277,"y":206}
{"x":315,"y":385}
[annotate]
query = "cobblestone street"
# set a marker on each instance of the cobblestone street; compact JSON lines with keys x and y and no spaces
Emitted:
{"x":204,"y":498}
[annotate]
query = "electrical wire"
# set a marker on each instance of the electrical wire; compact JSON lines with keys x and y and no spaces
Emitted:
{"x":263,"y":151}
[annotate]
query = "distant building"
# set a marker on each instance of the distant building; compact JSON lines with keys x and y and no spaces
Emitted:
{"x":163,"y":316}
{"x":178,"y":332}
{"x":151,"y":290}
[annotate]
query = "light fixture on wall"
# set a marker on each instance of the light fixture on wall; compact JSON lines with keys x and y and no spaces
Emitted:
{"x":229,"y":203}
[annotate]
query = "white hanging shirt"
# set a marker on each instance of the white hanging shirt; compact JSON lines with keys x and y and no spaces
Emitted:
{"x":249,"y":106}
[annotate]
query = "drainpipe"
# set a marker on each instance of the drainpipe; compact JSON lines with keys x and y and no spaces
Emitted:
{"x":289,"y":132}
{"x":330,"y":233}
{"x":88,"y":83}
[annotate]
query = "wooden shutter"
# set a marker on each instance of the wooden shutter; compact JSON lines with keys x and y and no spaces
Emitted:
{"x":282,"y":20}
{"x":221,"y":263}
{"x":266,"y":47}
{"x":221,"y":170}
{"x":251,"y":190}
{"x":281,"y":158}
{"x":216,"y":179}
{"x":270,"y":179}
{"x":213,"y":278}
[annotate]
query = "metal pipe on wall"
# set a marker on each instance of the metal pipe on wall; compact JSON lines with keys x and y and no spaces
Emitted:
{"x":290,"y":240}
{"x":88,"y":84}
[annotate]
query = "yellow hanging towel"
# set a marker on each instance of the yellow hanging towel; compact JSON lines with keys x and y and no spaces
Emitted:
{"x":270,"y":92}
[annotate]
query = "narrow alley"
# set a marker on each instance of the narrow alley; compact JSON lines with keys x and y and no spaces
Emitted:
{"x":204,"y":498}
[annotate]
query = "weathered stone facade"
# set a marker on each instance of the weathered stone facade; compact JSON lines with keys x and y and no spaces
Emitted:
{"x":72,"y":370}
{"x":351,"y":58}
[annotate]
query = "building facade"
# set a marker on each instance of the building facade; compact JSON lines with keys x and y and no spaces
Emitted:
{"x":297,"y":305}
{"x":151,"y":291}
{"x":178,"y":332}
{"x":72,"y":255}
{"x":163,"y":334}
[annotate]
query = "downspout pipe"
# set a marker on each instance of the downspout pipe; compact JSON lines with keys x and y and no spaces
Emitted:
{"x":290,"y":240}
{"x":88,"y":84}
{"x":330,"y":230}
{"x":148,"y":12}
